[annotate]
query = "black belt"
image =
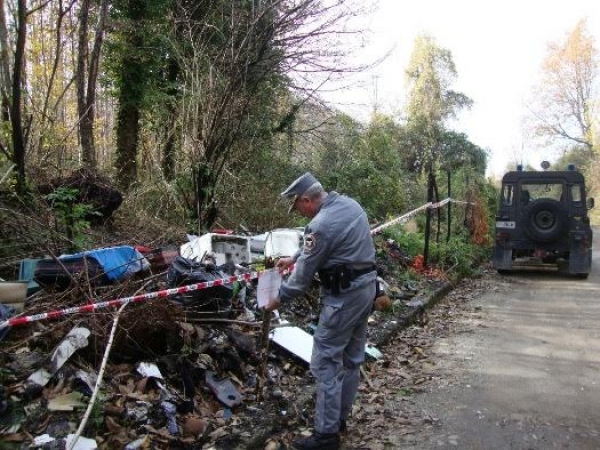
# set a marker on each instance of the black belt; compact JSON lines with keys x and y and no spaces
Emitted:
{"x":339,"y":277}
{"x":358,"y":273}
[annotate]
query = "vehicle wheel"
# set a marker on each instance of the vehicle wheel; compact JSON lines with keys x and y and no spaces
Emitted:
{"x":545,"y":220}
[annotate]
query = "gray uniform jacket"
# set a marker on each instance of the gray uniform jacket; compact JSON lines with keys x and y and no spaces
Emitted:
{"x":338,"y":234}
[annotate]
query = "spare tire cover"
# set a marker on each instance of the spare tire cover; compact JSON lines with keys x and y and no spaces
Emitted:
{"x":545,"y":220}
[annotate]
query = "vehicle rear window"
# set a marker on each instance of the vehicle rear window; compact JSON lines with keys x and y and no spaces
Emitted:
{"x":546,"y":189}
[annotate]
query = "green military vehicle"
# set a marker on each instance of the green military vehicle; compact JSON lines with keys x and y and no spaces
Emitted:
{"x":542,"y":221}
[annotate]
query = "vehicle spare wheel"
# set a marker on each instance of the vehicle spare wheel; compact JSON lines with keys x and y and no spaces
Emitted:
{"x":545,"y":220}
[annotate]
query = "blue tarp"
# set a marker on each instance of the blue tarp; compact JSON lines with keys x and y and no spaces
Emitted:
{"x":117,"y":262}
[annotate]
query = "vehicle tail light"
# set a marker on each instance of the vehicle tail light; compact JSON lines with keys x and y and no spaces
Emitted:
{"x":502,"y":236}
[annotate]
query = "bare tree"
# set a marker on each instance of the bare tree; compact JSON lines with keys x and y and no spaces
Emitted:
{"x":563,"y":105}
{"x":262,"y":46}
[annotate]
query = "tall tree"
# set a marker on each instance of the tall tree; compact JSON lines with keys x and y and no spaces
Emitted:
{"x":431,"y":100}
{"x":86,"y":78}
{"x":458,"y":152}
{"x":564,"y":105}
{"x":18,"y":134}
{"x":131,"y":78}
{"x":5,"y":83}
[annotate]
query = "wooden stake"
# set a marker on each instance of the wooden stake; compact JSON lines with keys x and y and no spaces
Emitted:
{"x":264,"y":354}
{"x":366,"y":376}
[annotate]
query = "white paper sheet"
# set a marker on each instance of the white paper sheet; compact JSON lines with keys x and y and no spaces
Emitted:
{"x":268,"y":286}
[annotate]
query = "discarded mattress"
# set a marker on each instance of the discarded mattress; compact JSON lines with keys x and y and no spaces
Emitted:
{"x":101,"y":266}
{"x":62,"y":273}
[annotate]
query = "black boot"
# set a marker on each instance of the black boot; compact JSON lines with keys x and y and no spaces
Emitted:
{"x":318,"y":441}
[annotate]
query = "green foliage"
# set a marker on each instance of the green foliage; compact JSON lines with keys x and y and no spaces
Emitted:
{"x":405,"y":392}
{"x":457,"y":258}
{"x":412,"y":243}
{"x":95,"y":423}
{"x":431,"y":101}
{"x":72,"y":214}
{"x":373,"y":172}
{"x":457,"y":152}
{"x":578,"y":155}
{"x":430,"y":74}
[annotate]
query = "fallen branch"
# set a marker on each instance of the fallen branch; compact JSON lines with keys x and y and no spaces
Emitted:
{"x":109,"y":344}
{"x":366,"y":376}
{"x":264,"y":354}
{"x":99,"y":380}
{"x":237,"y":322}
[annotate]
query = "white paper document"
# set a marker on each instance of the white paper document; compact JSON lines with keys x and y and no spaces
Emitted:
{"x":268,"y":286}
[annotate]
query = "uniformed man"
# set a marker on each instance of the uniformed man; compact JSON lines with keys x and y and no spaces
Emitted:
{"x":339,"y":246}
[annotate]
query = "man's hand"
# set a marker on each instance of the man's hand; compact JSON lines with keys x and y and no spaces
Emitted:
{"x":273,"y":304}
{"x":284,"y":263}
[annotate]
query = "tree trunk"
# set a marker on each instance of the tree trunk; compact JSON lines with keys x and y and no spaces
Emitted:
{"x":16,"y":113}
{"x":168,"y":162}
{"x":86,"y":135}
{"x":86,"y":92}
{"x":128,"y":130}
{"x":5,"y":85}
{"x":132,"y":86}
{"x":428,"y":218}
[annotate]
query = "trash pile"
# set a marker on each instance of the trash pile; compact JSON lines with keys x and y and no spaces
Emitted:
{"x":134,"y":347}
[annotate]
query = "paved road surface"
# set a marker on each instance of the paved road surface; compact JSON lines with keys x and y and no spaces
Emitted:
{"x":527,"y":374}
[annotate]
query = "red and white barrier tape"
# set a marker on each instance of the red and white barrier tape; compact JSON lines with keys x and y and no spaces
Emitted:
{"x":409,"y":214}
{"x":90,"y":307}
{"x":400,"y":219}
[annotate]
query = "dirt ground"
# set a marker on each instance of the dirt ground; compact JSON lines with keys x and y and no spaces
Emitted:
{"x":387,"y":414}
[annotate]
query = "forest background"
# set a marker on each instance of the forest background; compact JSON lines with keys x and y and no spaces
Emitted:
{"x":200,"y":112}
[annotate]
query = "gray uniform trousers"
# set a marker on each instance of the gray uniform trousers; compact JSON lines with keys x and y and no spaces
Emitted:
{"x":338,"y":351}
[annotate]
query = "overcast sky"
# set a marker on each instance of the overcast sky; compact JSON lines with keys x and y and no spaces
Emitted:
{"x":498,"y":49}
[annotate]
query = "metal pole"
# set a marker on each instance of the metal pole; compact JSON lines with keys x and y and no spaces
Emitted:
{"x":449,"y":208}
{"x":428,"y":218}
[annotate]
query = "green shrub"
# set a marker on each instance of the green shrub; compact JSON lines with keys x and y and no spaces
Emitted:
{"x":457,"y":258}
{"x":72,"y":215}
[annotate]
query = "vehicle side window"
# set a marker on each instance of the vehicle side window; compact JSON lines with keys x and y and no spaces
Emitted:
{"x":576,"y":192}
{"x":507,"y":194}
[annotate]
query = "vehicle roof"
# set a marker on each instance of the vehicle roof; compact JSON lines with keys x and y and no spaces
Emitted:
{"x":571,"y":176}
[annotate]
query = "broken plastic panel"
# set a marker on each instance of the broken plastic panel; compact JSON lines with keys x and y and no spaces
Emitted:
{"x":225,"y":247}
{"x":300,"y":343}
{"x":76,"y":339}
{"x":224,"y":390}
{"x":295,"y":340}
{"x":170,"y":411}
